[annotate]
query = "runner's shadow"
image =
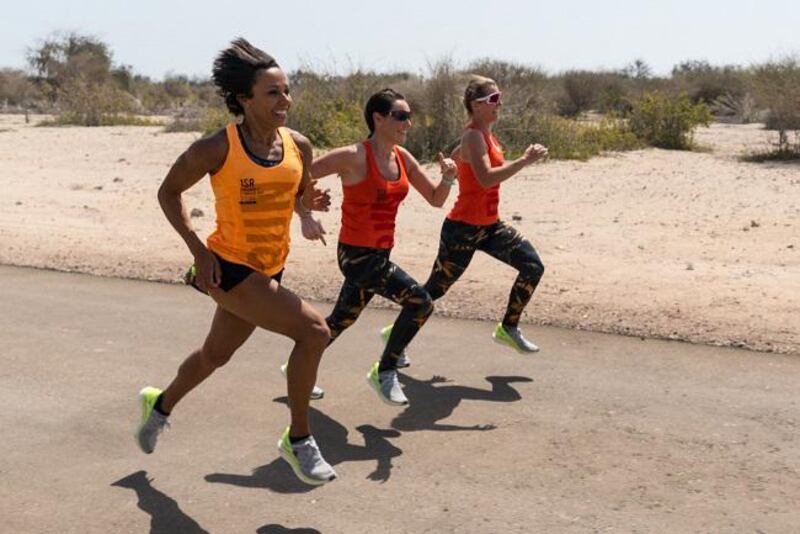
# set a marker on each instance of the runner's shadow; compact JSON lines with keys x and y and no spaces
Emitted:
{"x":431,"y":403}
{"x":332,"y":438}
{"x":166,"y":517}
{"x":277,"y":529}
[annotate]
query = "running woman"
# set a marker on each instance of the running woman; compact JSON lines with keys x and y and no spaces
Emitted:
{"x":376,"y":174}
{"x":259,"y":173}
{"x":473,"y":223}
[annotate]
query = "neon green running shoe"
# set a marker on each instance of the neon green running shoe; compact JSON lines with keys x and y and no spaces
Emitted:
{"x":403,"y":360}
{"x":512,"y":337}
{"x":306,"y":460}
{"x":152,"y":422}
{"x":387,"y":385}
{"x":316,"y":393}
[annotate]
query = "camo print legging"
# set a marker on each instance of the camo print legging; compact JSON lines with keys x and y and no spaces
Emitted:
{"x":458,"y":244}
{"x":368,"y":272}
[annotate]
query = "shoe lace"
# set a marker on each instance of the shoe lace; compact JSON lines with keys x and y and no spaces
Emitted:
{"x":162,"y":423}
{"x":308,"y":453}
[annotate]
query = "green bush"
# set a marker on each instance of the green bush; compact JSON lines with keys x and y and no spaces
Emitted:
{"x":565,"y":138}
{"x":668,"y":121}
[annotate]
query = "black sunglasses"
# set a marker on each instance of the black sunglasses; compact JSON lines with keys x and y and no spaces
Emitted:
{"x":400,"y":115}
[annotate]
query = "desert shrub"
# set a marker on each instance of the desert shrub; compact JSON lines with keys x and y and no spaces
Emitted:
{"x":614,"y":97}
{"x":741,"y":109}
{"x":777,"y":87}
{"x":668,"y":122}
{"x":440,"y":110}
{"x":564,"y":138}
{"x":16,"y":90}
{"x":786,"y":149}
{"x":323,"y":111}
{"x":86,"y":104}
{"x":581,"y":91}
{"x":706,"y":83}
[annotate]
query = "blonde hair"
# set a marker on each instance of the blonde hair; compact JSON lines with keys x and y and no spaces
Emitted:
{"x":477,"y":87}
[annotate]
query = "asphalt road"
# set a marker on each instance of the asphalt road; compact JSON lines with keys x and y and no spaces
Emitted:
{"x":596,"y":433}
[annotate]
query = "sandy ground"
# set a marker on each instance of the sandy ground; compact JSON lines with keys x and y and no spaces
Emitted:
{"x":693,"y":246}
{"x":596,"y":434}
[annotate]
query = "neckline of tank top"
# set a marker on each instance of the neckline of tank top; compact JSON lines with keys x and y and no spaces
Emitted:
{"x":397,"y":155}
{"x":261,"y":162}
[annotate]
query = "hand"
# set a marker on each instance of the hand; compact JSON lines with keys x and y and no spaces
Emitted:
{"x":535,"y":153}
{"x":447,"y":166}
{"x":209,"y":274}
{"x":315,"y":199}
{"x":312,"y":229}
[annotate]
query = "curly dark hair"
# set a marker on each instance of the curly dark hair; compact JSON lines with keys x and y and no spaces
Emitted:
{"x":235,"y":70}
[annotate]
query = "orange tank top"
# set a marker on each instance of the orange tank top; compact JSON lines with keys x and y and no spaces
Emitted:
{"x":477,"y":204}
{"x":254,"y":205}
{"x":370,"y":207}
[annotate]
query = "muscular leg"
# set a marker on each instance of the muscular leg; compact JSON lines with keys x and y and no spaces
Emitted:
{"x":260,"y":301}
{"x":506,"y":244}
{"x":228,"y":333}
{"x":457,"y":245}
{"x":417,"y":305}
{"x":351,"y":302}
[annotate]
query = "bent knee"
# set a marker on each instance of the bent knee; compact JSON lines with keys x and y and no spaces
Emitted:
{"x":423,"y":303}
{"x":533,"y":270}
{"x":316,"y":332}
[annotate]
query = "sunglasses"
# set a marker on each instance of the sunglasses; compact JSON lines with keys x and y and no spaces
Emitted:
{"x":492,"y":98}
{"x":400,"y":115}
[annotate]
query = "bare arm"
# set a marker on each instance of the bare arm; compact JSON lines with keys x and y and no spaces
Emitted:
{"x":308,"y":196}
{"x":475,"y":152}
{"x":202,"y":157}
{"x":435,"y":194}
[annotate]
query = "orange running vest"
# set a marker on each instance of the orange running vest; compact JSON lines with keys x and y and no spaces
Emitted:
{"x":476,"y":204}
{"x":370,"y":207}
{"x":254,"y":205}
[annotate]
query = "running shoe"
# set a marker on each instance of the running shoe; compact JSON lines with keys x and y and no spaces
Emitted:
{"x":316,"y":393}
{"x":306,"y":460}
{"x":512,"y":337}
{"x":152,"y":423}
{"x":403,"y":360}
{"x":387,"y":385}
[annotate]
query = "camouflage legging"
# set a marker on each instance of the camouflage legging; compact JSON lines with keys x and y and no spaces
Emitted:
{"x":367,"y":272}
{"x":458,"y":244}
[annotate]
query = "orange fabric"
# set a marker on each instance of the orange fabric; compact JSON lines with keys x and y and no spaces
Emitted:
{"x":477,"y":204}
{"x":254,"y":205}
{"x":370,"y":207}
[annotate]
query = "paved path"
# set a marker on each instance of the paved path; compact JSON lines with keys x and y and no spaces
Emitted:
{"x":597,"y":433}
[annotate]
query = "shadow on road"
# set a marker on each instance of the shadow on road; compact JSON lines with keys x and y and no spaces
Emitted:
{"x":277,"y":529}
{"x":431,"y":402}
{"x":332,"y":438}
{"x":166,"y":517}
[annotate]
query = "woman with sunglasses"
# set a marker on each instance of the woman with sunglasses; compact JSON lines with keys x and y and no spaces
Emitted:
{"x":376,"y":174}
{"x":473,"y":223}
{"x":259,"y":173}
